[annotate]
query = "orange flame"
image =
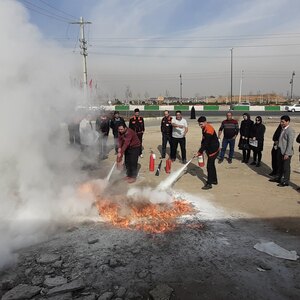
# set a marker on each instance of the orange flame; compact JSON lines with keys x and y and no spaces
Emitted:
{"x":146,"y":216}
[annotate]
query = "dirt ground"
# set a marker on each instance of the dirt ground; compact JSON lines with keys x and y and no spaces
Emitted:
{"x":95,"y":260}
{"x":242,"y":188}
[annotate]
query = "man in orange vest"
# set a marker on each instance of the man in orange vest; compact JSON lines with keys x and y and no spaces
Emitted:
{"x":210,"y":144}
{"x":136,"y":123}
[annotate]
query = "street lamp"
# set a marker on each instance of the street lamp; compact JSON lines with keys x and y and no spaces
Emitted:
{"x":292,"y":84}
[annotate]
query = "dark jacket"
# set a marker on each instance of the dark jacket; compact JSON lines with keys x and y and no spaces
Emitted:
{"x":166,"y":126}
{"x":258,"y":131}
{"x":210,"y":142}
{"x":102,"y":125}
{"x":128,"y":140}
{"x":137,"y":124}
{"x":277,"y":133}
{"x":245,"y":131}
{"x":115,"y":123}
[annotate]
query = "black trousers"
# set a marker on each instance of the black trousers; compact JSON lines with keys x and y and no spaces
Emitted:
{"x":284,"y":169}
{"x":131,"y":161}
{"x":165,"y":139}
{"x":211,"y":169}
{"x":276,"y":157}
{"x":103,"y":146}
{"x":246,"y":154}
{"x":140,"y":136}
{"x":257,"y":155}
{"x":74,"y":135}
{"x":181,"y":142}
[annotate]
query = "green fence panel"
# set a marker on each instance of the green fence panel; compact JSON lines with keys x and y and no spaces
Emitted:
{"x":151,"y":107}
{"x":272,"y":108}
{"x":241,"y":107}
{"x":182,"y":107}
{"x":210,"y":107}
{"x":122,"y":107}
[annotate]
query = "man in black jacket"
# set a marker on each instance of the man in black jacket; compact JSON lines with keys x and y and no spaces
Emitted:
{"x":210,"y":144}
{"x":166,"y":131}
{"x":275,"y":152}
{"x":115,"y":122}
{"x":136,"y":123}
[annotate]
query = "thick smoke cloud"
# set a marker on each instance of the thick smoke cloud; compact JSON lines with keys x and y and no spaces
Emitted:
{"x":38,"y":169}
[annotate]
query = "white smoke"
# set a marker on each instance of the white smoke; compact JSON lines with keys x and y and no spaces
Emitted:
{"x":37,"y":182}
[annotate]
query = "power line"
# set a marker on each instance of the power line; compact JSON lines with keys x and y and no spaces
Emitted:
{"x":45,"y":12}
{"x":58,"y":9}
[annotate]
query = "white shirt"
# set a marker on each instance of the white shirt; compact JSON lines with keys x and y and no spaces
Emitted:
{"x":179,"y":132}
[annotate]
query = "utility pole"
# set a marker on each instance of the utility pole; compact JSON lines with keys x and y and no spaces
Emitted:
{"x":241,"y":83}
{"x":231,"y":65}
{"x":292,"y":84}
{"x":180,"y":87}
{"x":83,"y":52}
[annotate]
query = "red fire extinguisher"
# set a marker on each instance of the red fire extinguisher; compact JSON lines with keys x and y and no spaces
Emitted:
{"x":200,"y":160}
{"x":152,"y":162}
{"x":168,"y":165}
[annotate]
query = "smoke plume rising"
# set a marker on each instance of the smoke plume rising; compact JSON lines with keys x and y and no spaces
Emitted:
{"x":38,"y":169}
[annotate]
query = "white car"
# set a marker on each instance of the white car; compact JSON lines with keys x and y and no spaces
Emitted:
{"x":293,"y":108}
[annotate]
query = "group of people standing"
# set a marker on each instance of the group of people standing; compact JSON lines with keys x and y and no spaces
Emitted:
{"x":251,"y":139}
{"x":128,"y":141}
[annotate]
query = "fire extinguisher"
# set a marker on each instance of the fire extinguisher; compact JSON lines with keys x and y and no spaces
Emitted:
{"x":168,"y":165}
{"x":200,"y":160}
{"x":152,"y":162}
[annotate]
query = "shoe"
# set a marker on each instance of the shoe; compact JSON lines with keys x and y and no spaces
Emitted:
{"x":253,"y":163}
{"x":215,"y":182}
{"x":207,"y":187}
{"x":184,"y":162}
{"x":131,"y":180}
{"x":230,"y":160}
{"x":220,"y":160}
{"x":246,"y":161}
{"x":258,"y":164}
{"x":243,"y":161}
{"x":282,"y":184}
{"x":274,"y":180}
{"x":162,"y":157}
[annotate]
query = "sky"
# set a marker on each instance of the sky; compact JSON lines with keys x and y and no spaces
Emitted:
{"x":146,"y":44}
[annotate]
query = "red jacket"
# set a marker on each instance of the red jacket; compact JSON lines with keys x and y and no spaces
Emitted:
{"x":128,"y":140}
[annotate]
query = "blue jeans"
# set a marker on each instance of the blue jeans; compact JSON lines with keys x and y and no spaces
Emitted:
{"x":231,"y":143}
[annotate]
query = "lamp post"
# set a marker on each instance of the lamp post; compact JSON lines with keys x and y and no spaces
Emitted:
{"x":292,"y":84}
{"x":231,"y":65}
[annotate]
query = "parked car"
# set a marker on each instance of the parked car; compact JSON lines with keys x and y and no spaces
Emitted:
{"x":293,"y":108}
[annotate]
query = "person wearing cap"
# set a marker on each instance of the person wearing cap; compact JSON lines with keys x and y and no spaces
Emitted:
{"x":115,"y":122}
{"x":136,"y":123}
{"x":209,"y":144}
{"x":129,"y":146}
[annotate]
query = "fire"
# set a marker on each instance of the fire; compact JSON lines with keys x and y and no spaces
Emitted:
{"x":146,"y":216}
{"x":125,"y":212}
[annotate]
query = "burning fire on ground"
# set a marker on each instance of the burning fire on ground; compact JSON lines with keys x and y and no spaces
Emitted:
{"x":125,"y":212}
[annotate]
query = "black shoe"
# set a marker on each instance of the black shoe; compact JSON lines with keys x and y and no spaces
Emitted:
{"x":162,"y":157}
{"x":243,"y":161}
{"x":274,"y":180}
{"x":184,"y":162}
{"x":246,"y":161}
{"x":230,"y":160}
{"x":207,"y":187}
{"x":272,"y":174}
{"x":220,"y":160}
{"x":258,"y":164}
{"x":215,"y":182}
{"x":253,"y":163}
{"x":282,"y":184}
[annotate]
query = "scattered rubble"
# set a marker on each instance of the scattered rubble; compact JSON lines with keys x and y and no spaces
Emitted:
{"x":22,"y":291}
{"x":68,"y":287}
{"x":55,"y":281}
{"x":48,"y":258}
{"x":161,"y":292}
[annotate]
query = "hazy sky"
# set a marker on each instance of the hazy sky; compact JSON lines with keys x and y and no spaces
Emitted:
{"x":146,"y":44}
